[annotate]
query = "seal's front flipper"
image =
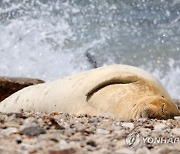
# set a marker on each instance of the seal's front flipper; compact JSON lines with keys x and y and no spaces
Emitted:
{"x":110,"y":79}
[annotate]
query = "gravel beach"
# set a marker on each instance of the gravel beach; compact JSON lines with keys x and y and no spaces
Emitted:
{"x":59,"y":133}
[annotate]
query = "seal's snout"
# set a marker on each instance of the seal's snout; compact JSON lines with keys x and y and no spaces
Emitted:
{"x":159,"y":108}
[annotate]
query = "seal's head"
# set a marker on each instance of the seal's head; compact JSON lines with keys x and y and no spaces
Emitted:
{"x":157,"y":107}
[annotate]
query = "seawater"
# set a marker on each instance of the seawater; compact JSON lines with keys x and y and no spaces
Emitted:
{"x":49,"y":39}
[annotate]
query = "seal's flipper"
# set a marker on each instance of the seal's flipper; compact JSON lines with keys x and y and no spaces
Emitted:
{"x":109,"y":79}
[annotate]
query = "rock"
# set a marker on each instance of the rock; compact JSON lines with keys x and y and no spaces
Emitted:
{"x":92,"y":143}
{"x":9,"y":85}
{"x":33,"y":131}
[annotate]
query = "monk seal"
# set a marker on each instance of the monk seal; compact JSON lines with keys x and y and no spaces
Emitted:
{"x":121,"y":91}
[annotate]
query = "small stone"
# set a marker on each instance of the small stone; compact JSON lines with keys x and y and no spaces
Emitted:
{"x":128,"y":125}
{"x":176,"y":131}
{"x":145,"y":131}
{"x":92,"y":143}
{"x":117,"y":123}
{"x":9,"y":131}
{"x":10,"y":124}
{"x":63,"y":144}
{"x":54,"y":140}
{"x":18,"y":141}
{"x":177,"y":118}
{"x":159,"y":127}
{"x":29,"y":122}
{"x":102,"y":131}
{"x":33,"y":131}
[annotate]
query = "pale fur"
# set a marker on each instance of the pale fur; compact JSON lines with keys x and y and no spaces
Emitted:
{"x":112,"y":90}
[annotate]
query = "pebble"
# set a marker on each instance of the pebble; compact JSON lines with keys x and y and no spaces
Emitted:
{"x":177,"y":118}
{"x":159,"y":127}
{"x":176,"y":131}
{"x":128,"y":125}
{"x":63,"y":144}
{"x":33,"y":131}
{"x":92,"y":143}
{"x":102,"y":131}
{"x":145,"y":131}
{"x":9,"y":131}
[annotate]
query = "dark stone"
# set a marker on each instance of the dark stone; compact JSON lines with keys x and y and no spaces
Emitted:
{"x":92,"y":143}
{"x":18,"y":141}
{"x":54,"y":140}
{"x":10,"y":85}
{"x":33,"y":131}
